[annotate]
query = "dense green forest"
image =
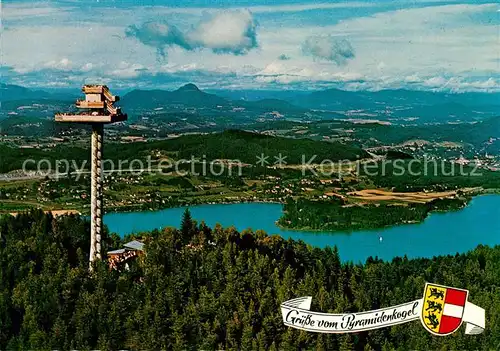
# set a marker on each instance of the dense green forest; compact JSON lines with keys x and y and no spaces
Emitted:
{"x":337,"y":215}
{"x":231,"y":144}
{"x":246,"y":146}
{"x":221,"y":292}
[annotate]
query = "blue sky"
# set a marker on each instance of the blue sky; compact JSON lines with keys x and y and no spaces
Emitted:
{"x":238,"y":44}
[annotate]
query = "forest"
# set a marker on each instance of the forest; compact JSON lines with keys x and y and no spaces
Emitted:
{"x":337,"y":215}
{"x":230,"y":144}
{"x":215,"y":288}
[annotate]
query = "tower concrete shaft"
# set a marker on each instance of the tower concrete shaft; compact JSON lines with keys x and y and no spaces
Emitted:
{"x":96,"y":207}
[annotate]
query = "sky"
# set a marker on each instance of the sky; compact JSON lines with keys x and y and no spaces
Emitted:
{"x":253,"y":44}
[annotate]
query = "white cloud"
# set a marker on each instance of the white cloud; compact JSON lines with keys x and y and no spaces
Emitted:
{"x":231,"y":32}
{"x":62,"y":64}
{"x":228,"y":31}
{"x":329,"y":48}
{"x":159,"y":35}
{"x":460,"y":84}
{"x":430,"y":47}
{"x":170,"y":68}
{"x":127,"y":70}
{"x":70,"y":47}
{"x":87,"y":67}
{"x":281,"y":72}
{"x":427,"y":42}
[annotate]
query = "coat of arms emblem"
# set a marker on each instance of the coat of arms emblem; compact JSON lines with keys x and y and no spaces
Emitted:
{"x":443,"y":308}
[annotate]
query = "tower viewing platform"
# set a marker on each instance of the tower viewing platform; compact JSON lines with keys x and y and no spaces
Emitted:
{"x":98,"y":107}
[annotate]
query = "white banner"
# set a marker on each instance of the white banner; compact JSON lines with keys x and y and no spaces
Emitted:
{"x":296,"y":313}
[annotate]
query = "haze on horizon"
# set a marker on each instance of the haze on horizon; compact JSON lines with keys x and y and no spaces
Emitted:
{"x":290,"y":45}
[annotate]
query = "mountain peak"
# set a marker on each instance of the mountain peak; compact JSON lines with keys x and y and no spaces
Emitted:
{"x":190,"y":87}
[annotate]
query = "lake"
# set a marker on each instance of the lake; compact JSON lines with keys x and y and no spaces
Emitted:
{"x":439,"y":234}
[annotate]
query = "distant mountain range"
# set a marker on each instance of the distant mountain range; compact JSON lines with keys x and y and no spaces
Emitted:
{"x":406,"y":103}
{"x":9,"y":92}
{"x":423,"y":106}
{"x":401,"y":96}
{"x":385,"y":104}
{"x":187,"y":95}
{"x":190,"y":95}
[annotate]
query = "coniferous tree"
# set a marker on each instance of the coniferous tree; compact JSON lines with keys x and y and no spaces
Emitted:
{"x":186,"y":226}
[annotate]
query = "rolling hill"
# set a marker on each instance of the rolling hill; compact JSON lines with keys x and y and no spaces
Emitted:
{"x":188,"y":95}
{"x":11,"y":92}
{"x":247,"y":146}
{"x":231,"y":144}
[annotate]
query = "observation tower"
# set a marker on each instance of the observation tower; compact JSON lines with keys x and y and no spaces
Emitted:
{"x":97,"y":110}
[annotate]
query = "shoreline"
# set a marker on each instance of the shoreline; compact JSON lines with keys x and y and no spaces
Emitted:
{"x":84,"y":212}
{"x":55,"y":213}
{"x":351,"y":230}
{"x":126,"y":209}
{"x":430,"y":213}
{"x":200,"y":204}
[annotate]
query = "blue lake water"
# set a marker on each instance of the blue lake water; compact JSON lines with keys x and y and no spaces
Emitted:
{"x":439,"y":234}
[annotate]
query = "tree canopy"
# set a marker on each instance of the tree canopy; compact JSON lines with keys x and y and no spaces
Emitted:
{"x":222,"y":290}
